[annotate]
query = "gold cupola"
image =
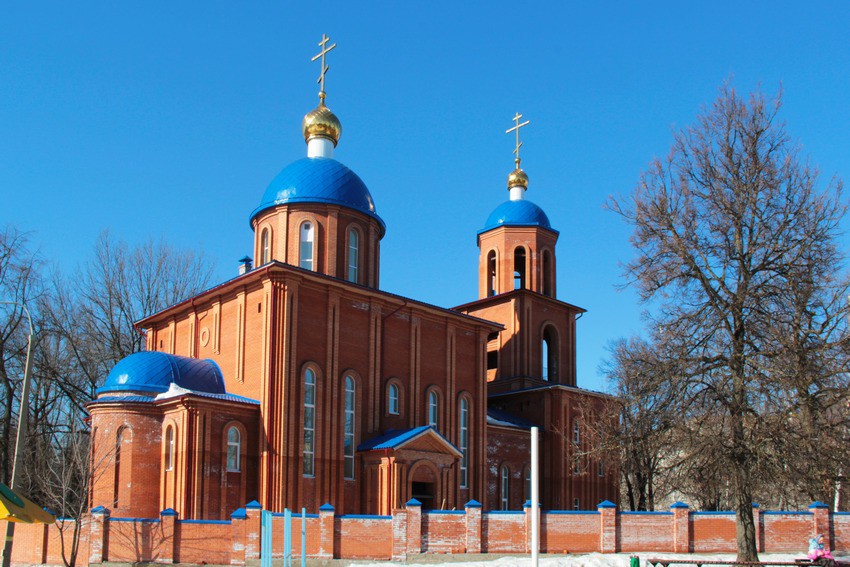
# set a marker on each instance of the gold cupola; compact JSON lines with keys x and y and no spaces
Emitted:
{"x":321,"y":123}
{"x":517,"y":178}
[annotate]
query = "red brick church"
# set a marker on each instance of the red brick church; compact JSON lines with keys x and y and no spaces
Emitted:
{"x":300,"y":382}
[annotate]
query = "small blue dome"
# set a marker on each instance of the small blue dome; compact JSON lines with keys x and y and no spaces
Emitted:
{"x":319,"y":180}
{"x":154,"y":372}
{"x":517,"y":213}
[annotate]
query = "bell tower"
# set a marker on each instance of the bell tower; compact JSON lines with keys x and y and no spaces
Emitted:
{"x":517,"y":244}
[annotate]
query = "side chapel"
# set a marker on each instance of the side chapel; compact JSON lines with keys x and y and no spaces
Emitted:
{"x":300,"y":382}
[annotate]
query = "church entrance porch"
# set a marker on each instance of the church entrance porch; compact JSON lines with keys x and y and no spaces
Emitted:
{"x":411,"y":463}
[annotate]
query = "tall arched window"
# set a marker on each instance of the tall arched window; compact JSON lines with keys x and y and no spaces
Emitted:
{"x":464,"y":442}
{"x":576,"y":431}
{"x":169,"y":448}
{"x":548,"y":283}
{"x":549,"y":354}
{"x":353,"y":254}
{"x":309,"y":453}
{"x":491,"y":273}
{"x":265,"y":244}
{"x":505,"y":476}
{"x":392,"y":399}
{"x":348,"y":441}
{"x":519,"y":268}
{"x":119,"y":466}
{"x":234,"y":449}
{"x":433,"y":409}
{"x":307,"y":237}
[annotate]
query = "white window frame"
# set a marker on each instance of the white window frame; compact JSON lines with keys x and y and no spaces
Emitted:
{"x":463,"y":418}
{"x":353,"y":271}
{"x":308,"y":456}
{"x":307,"y":243}
{"x":433,"y":409}
{"x":234,"y":450}
{"x":349,"y":428}
{"x":393,"y":400}
{"x":505,"y":483}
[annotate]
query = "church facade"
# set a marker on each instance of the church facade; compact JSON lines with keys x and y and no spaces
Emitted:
{"x":300,"y":382}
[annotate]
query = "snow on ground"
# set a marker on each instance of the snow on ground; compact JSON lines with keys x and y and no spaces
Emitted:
{"x":577,"y":560}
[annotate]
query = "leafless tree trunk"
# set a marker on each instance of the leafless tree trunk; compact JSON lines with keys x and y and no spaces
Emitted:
{"x":721,"y":227}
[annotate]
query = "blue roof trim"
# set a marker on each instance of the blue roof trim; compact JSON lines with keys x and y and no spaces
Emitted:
{"x":326,"y":507}
{"x":473,"y":504}
{"x":606,"y":504}
{"x":364,"y":517}
{"x":153,"y":371}
{"x":818,"y":504}
{"x":392,"y":438}
{"x":124,"y":399}
{"x":140,"y":520}
{"x":319,"y":180}
{"x":517,"y":213}
{"x":769,"y":513}
{"x":505,"y":513}
{"x":445,"y":512}
{"x":227,"y":522}
{"x":645,"y":513}
{"x":679,"y":504}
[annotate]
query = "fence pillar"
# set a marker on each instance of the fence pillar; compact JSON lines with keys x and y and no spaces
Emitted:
{"x":473,"y":526}
{"x":414,"y":527}
{"x":400,"y":535}
{"x":238,"y":523}
{"x":820,"y":521}
{"x":98,"y":528}
{"x":253,"y":529}
{"x":168,"y":545}
{"x":607,"y":526}
{"x":681,"y":527}
{"x":326,"y":531}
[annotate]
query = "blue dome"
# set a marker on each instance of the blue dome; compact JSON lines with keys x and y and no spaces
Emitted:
{"x":319,"y":180}
{"x":154,"y":372}
{"x":517,"y":213}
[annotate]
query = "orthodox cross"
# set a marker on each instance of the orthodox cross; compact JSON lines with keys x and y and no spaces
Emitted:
{"x":325,"y":50}
{"x":516,"y":129}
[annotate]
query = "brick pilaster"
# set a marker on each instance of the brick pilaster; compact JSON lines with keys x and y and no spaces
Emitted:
{"x":253,"y":529}
{"x":473,"y":526}
{"x":238,"y":522}
{"x":681,"y":527}
{"x":414,"y":527}
{"x":400,"y":535}
{"x":99,"y":526}
{"x":607,"y":527}
{"x":759,"y":528}
{"x":820,"y":521}
{"x":326,"y":531}
{"x":168,"y":525}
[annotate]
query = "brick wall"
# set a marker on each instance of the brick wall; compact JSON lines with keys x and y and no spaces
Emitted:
{"x":412,"y":531}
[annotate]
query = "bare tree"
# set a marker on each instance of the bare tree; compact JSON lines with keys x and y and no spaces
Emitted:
{"x":639,"y":377}
{"x":720,"y":227}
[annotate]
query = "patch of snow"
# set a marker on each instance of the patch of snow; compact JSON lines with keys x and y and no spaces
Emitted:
{"x":173,"y":391}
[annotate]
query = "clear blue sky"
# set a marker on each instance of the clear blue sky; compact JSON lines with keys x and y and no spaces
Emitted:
{"x":168,"y":119}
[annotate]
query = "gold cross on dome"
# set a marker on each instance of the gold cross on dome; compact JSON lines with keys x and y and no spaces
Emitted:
{"x":325,"y":50}
{"x":516,"y":128}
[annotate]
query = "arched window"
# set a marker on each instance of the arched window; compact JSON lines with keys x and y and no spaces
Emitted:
{"x":119,"y":466}
{"x":265,"y":244}
{"x":309,"y":452}
{"x":307,"y":237}
{"x":505,"y":476}
{"x":348,"y":441}
{"x":519,"y":268}
{"x":491,"y":273}
{"x":353,"y":254}
{"x":234,"y":449}
{"x":392,"y":399}
{"x":549,"y":354}
{"x":576,"y":431}
{"x":548,"y":286}
{"x":433,"y":409}
{"x":169,"y":448}
{"x":601,"y":468}
{"x":576,"y":503}
{"x":463,"y":418}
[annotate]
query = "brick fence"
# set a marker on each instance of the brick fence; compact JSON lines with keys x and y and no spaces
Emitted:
{"x":411,"y":531}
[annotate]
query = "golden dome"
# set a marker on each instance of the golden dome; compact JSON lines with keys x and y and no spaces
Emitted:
{"x":518,"y":178}
{"x":321,"y":123}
